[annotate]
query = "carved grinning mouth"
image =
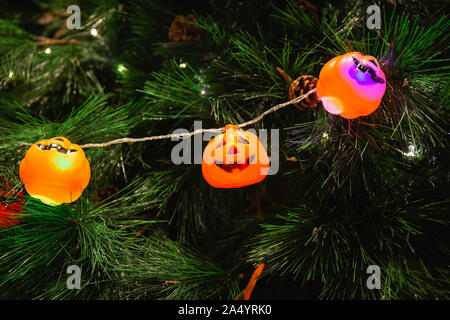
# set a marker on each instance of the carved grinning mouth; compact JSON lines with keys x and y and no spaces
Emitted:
{"x":230,"y":167}
{"x":363,"y":68}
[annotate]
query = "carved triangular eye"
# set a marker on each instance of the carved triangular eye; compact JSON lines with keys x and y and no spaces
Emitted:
{"x":374,"y":62}
{"x":71,"y":151}
{"x":243,"y":140}
{"x":221,"y":143}
{"x":59,"y":139}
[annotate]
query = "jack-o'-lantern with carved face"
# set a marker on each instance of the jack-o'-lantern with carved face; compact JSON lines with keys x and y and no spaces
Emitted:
{"x":351,"y":85}
{"x":234,"y":159}
{"x":55,"y":171}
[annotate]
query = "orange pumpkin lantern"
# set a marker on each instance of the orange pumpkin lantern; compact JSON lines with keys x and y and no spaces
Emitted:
{"x":351,"y":85}
{"x":234,"y":159}
{"x":55,"y":171}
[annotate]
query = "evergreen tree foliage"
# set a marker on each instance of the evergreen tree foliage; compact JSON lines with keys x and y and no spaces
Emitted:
{"x":348,"y":194}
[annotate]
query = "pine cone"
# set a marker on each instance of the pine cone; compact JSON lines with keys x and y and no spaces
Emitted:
{"x":300,"y":86}
{"x":184,"y":28}
{"x":308,"y":7}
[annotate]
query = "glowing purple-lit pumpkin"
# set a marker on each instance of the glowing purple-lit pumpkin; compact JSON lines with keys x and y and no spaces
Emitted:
{"x":351,"y":85}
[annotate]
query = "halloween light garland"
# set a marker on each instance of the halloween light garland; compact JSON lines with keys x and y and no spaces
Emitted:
{"x":349,"y":85}
{"x":57,"y":171}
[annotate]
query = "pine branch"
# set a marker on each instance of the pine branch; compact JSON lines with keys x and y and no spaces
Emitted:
{"x":166,"y":269}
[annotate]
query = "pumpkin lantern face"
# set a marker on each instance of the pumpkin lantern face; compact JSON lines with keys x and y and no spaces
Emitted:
{"x":351,"y":85}
{"x":55,"y":171}
{"x":234,"y":159}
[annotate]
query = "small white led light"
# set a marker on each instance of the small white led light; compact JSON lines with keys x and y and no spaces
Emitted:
{"x":183,"y":65}
{"x":121,"y":68}
{"x":411,"y":151}
{"x":48,"y":51}
{"x":94,"y":32}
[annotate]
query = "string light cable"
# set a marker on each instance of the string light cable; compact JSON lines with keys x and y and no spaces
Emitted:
{"x":189,"y":134}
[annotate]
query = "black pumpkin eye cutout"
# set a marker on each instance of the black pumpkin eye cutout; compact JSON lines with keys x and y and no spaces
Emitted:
{"x":360,"y":66}
{"x":373,"y":62}
{"x":374,"y":76}
{"x":364,"y":69}
{"x":58,"y":148}
{"x":43,"y":146}
{"x":59,"y":139}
